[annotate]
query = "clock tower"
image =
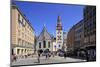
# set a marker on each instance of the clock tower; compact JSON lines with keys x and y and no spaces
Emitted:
{"x":59,"y":33}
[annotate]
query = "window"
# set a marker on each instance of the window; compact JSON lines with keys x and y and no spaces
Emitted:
{"x":22,"y":51}
{"x":59,"y":38}
{"x":23,"y":22}
{"x":59,"y":32}
{"x":59,"y":45}
{"x":44,"y":44}
{"x":49,"y":44}
{"x":39,"y":44}
{"x":25,"y":50}
{"x":22,"y":42}
{"x":20,"y":24}
{"x":12,"y":51}
{"x":18,"y":32}
{"x":18,"y":17}
{"x":18,"y":50}
{"x":19,"y":41}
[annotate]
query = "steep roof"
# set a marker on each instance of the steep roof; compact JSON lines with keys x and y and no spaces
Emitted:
{"x":44,"y":35}
{"x":59,"y":20}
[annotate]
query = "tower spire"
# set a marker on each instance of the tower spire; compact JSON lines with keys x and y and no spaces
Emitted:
{"x":44,"y":25}
{"x":59,"y":20}
{"x":59,"y":25}
{"x":59,"y":37}
{"x":44,"y":30}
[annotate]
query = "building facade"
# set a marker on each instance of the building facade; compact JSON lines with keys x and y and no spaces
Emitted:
{"x":44,"y":41}
{"x":59,"y":34}
{"x":79,"y":34}
{"x":82,"y":36}
{"x":71,"y":39}
{"x":90,"y":25}
{"x":22,"y":33}
{"x":64,"y":41}
{"x":90,"y":30}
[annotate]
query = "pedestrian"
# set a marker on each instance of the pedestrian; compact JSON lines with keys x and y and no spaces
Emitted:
{"x":65,"y":55}
{"x":53,"y":54}
{"x":38,"y":57}
{"x":87,"y":55}
{"x":46,"y":56}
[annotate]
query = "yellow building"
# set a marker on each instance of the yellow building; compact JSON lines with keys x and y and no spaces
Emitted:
{"x":22,"y":33}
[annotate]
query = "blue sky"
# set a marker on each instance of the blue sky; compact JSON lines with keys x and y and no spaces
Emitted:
{"x":45,"y":13}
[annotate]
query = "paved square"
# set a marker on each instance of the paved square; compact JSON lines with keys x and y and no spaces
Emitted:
{"x":43,"y":60}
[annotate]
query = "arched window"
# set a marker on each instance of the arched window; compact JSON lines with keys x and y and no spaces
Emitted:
{"x":44,"y":44}
{"x":48,"y":44}
{"x":39,"y":44}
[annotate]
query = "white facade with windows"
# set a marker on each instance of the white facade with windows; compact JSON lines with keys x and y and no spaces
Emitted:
{"x":44,"y":40}
{"x":59,"y":34}
{"x":59,"y":39}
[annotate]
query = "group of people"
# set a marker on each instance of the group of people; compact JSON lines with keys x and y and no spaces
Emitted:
{"x":14,"y":57}
{"x":47,"y":55}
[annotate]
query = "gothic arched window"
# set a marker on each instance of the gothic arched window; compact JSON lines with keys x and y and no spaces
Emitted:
{"x":44,"y":44}
{"x":39,"y":44}
{"x":48,"y":44}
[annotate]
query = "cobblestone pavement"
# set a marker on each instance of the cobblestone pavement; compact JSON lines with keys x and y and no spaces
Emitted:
{"x":43,"y":60}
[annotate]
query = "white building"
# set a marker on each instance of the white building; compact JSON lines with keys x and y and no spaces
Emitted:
{"x":44,"y":40}
{"x":54,"y":45}
{"x":59,"y":34}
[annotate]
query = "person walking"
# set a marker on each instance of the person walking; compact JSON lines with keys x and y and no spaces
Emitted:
{"x":53,"y":54}
{"x":39,"y":53}
{"x":87,"y":55}
{"x":38,"y":57}
{"x":65,"y":55}
{"x":46,"y":56}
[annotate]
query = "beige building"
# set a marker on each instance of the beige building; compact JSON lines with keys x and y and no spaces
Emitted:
{"x":22,"y":33}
